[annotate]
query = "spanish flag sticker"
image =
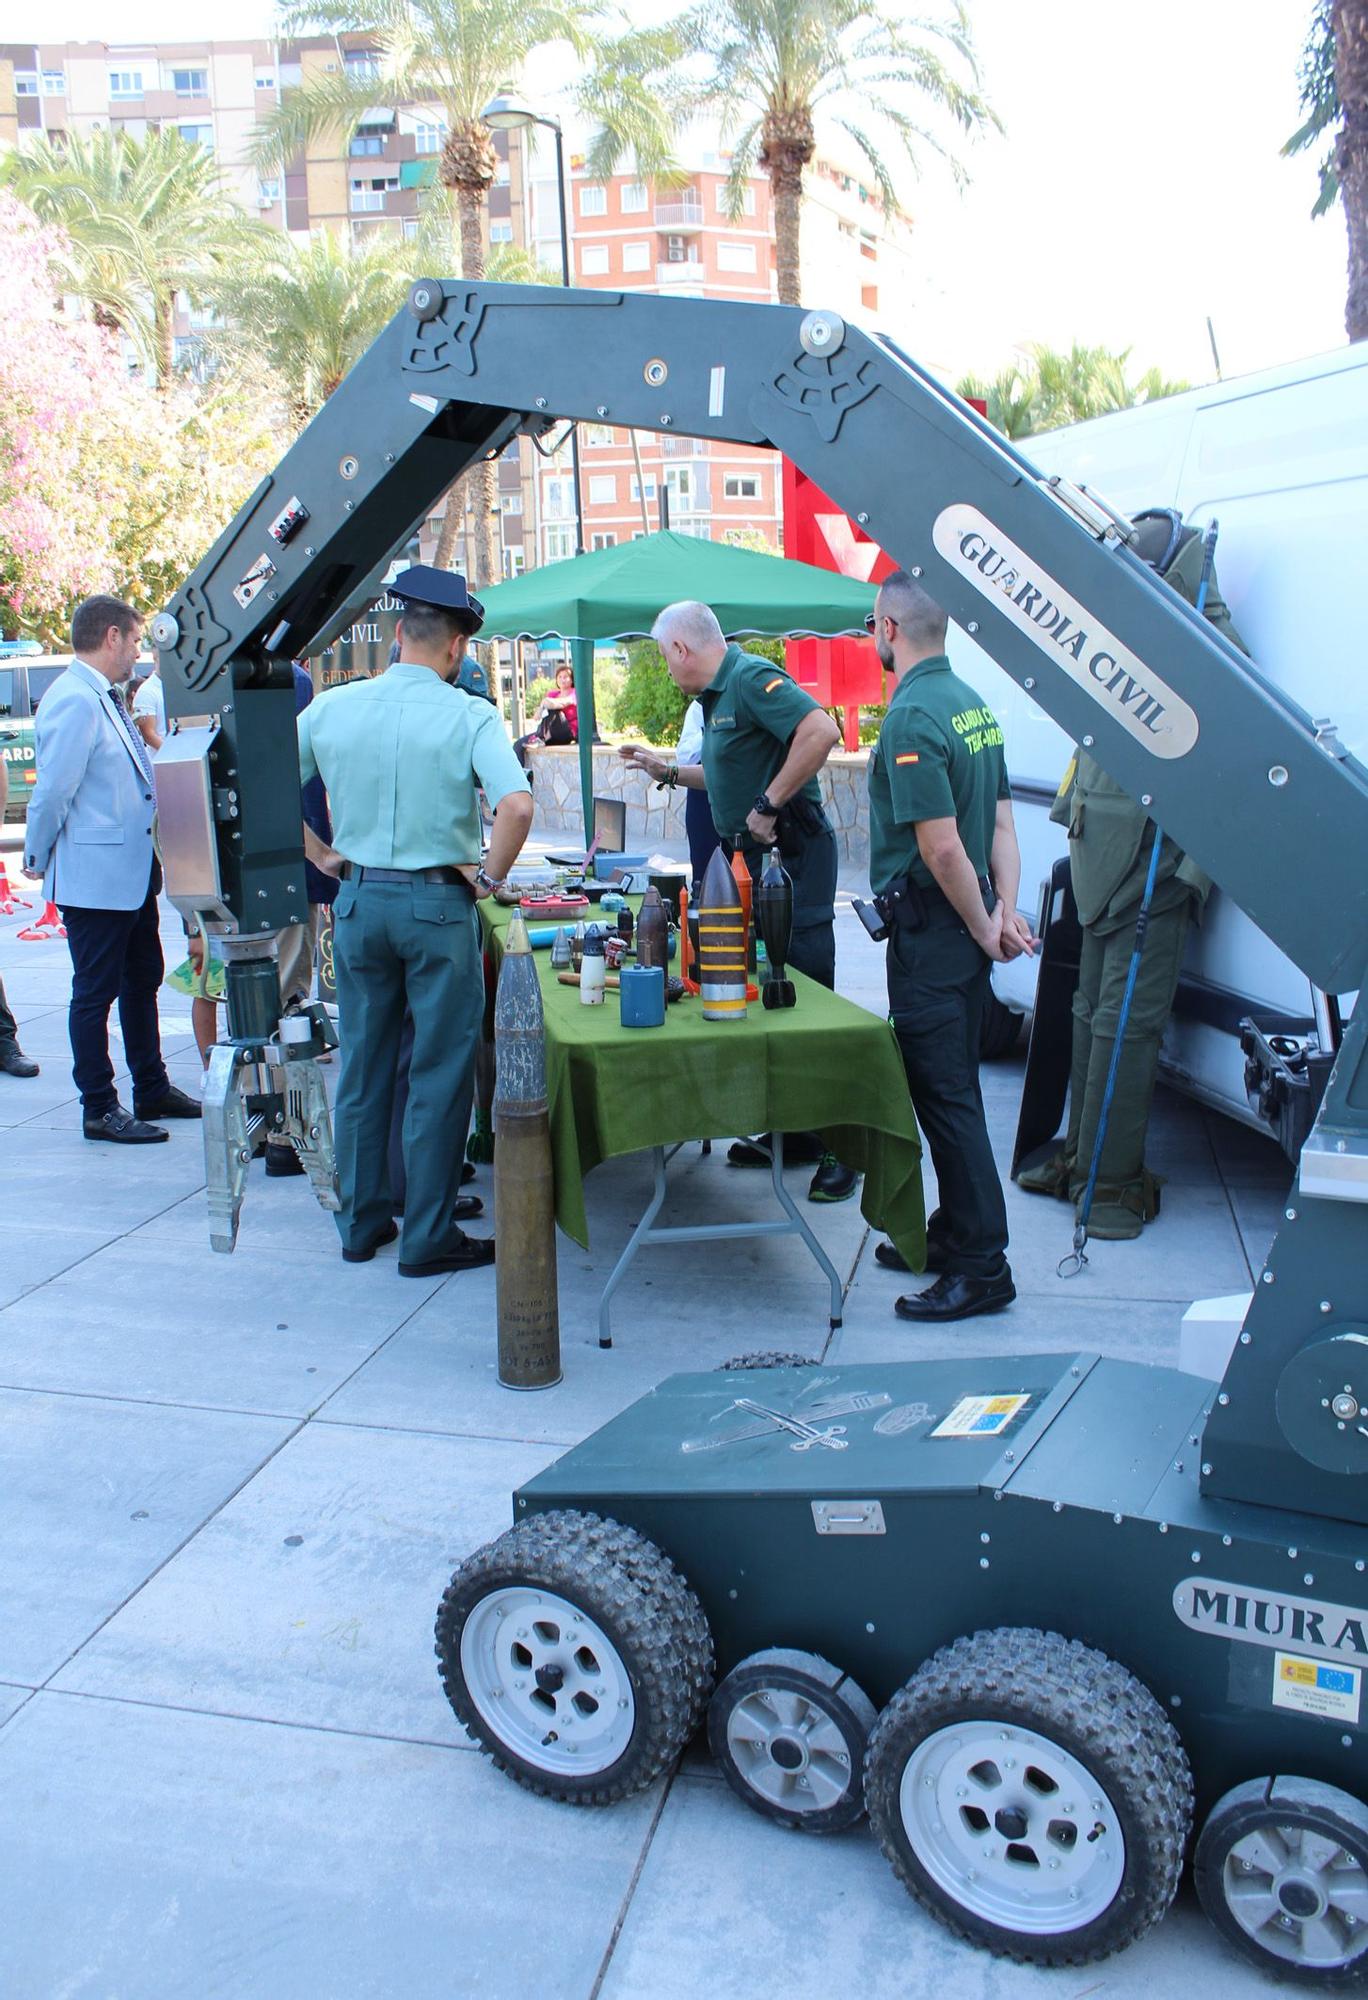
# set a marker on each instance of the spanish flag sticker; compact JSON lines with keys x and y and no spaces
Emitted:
{"x":770,"y":686}
{"x":908,"y":757}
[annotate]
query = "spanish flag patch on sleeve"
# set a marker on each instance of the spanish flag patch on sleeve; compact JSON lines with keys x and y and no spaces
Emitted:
{"x":908,"y":757}
{"x":778,"y":681}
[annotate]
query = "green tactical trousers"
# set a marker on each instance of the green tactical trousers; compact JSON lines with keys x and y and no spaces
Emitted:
{"x":397,"y":945}
{"x":1103,"y":969}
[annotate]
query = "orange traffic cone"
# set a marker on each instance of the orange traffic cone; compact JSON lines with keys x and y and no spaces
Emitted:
{"x":49,"y":925}
{"x":10,"y":899}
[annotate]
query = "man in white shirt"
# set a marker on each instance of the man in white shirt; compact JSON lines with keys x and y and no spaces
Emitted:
{"x":149,"y":710}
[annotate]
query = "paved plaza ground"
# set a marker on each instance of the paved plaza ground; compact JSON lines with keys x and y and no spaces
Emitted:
{"x":234,"y":1488}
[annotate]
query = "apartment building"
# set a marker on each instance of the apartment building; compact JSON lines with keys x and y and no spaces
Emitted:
{"x":626,"y":235}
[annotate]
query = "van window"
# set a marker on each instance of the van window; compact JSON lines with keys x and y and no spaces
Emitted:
{"x":6,"y":690}
{"x":40,"y":679}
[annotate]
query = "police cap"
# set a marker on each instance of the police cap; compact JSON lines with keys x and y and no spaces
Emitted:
{"x":443,"y":589}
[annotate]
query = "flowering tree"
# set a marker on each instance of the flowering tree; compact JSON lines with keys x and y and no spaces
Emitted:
{"x":104,"y":485}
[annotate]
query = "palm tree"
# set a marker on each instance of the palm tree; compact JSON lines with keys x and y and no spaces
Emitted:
{"x":452,"y":55}
{"x":772,"y":68}
{"x":1065,"y":388}
{"x":146,"y":219}
{"x":1334,"y":95}
{"x":1010,"y":397}
{"x":309,"y":313}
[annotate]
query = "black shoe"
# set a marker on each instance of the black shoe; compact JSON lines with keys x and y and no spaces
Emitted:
{"x":832,"y":1181}
{"x":468,"y":1254}
{"x":468,"y":1206}
{"x":467,"y":1172}
{"x":801,"y":1149}
{"x":123,"y":1128}
{"x":13,"y":1061}
{"x":282,"y":1161}
{"x":957,"y":1296}
{"x":172,"y":1103}
{"x":892,"y":1259}
{"x":368,"y":1250}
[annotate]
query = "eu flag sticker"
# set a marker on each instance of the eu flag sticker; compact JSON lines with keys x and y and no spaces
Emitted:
{"x":1311,"y":1687}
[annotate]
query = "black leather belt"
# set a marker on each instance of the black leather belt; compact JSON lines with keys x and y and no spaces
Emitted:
{"x":450,"y":877}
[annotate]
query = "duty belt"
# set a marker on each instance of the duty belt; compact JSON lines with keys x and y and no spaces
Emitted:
{"x":354,"y":871}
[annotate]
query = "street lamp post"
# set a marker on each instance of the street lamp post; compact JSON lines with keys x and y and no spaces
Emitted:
{"x":509,"y":114}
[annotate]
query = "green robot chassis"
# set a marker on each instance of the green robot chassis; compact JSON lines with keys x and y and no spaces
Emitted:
{"x":985,"y":1601}
{"x":1044,"y":1619}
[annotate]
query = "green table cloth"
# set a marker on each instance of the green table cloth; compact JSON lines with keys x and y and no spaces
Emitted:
{"x":825,"y":1065}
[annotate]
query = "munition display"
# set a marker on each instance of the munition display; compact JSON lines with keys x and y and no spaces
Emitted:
{"x":721,"y":943}
{"x":560,"y":950}
{"x":593,"y":970}
{"x":653,"y":931}
{"x":774,"y":909}
{"x":524,"y":1184}
{"x":746,"y":889}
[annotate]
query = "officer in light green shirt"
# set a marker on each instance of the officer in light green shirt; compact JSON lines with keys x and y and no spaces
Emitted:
{"x":402,"y":756}
{"x":945,"y":868}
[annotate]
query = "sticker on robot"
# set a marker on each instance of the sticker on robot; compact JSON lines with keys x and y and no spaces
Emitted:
{"x":907,"y":1416}
{"x":1313,"y":1688}
{"x":980,"y":1416}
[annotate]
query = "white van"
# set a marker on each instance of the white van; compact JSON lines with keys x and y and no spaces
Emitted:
{"x":1281,"y":461}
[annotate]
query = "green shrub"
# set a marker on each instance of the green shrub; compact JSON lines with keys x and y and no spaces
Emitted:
{"x":649,"y":705}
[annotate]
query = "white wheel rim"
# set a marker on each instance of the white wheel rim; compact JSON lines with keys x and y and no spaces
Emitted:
{"x":547,"y":1681}
{"x":1299,"y":1895}
{"x":1012,"y":1827}
{"x":789,"y":1750}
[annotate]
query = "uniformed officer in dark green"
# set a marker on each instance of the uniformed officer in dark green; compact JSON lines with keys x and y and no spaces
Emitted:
{"x":402,"y":755}
{"x":944,"y":864}
{"x":1111,"y":839}
{"x":764,"y":741}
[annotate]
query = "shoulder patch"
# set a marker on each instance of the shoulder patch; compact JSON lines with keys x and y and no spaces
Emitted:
{"x":778,"y":681}
{"x":908,"y":757}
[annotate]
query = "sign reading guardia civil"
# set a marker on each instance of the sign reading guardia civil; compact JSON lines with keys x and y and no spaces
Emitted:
{"x":1145,"y":706}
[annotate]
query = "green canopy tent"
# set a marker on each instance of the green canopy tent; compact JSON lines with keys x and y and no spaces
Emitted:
{"x":618,"y":593}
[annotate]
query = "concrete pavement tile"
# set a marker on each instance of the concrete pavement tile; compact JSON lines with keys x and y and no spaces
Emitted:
{"x":727,"y":1903}
{"x":440,"y":1372}
{"x":48,"y":1096}
{"x":36,"y":1251}
{"x":1192,"y":1251}
{"x":241,"y":1860}
{"x":97,"y":1495}
{"x":146,"y":1342}
{"x":311,"y":1597}
{"x":45,"y":1174}
{"x":12,"y":1699}
{"x":1127,"y":1330}
{"x":152,"y":1320}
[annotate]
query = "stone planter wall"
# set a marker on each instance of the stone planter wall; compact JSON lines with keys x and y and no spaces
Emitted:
{"x":656,"y":818}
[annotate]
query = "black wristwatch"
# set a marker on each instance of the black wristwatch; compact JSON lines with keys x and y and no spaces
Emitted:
{"x":762,"y":805}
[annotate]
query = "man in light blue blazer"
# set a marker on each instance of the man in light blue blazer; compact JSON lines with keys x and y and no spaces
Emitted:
{"x":89,"y":839}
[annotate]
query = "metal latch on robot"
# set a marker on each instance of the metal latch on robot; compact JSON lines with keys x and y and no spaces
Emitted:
{"x":848,"y":1517}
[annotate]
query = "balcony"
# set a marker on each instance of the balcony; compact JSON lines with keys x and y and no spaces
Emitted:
{"x":684,"y":214}
{"x":689,"y":271}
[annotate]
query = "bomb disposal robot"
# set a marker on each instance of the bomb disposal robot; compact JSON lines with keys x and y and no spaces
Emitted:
{"x":1045,"y":1619}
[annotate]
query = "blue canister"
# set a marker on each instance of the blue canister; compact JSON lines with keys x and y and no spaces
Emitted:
{"x":641,"y":995}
